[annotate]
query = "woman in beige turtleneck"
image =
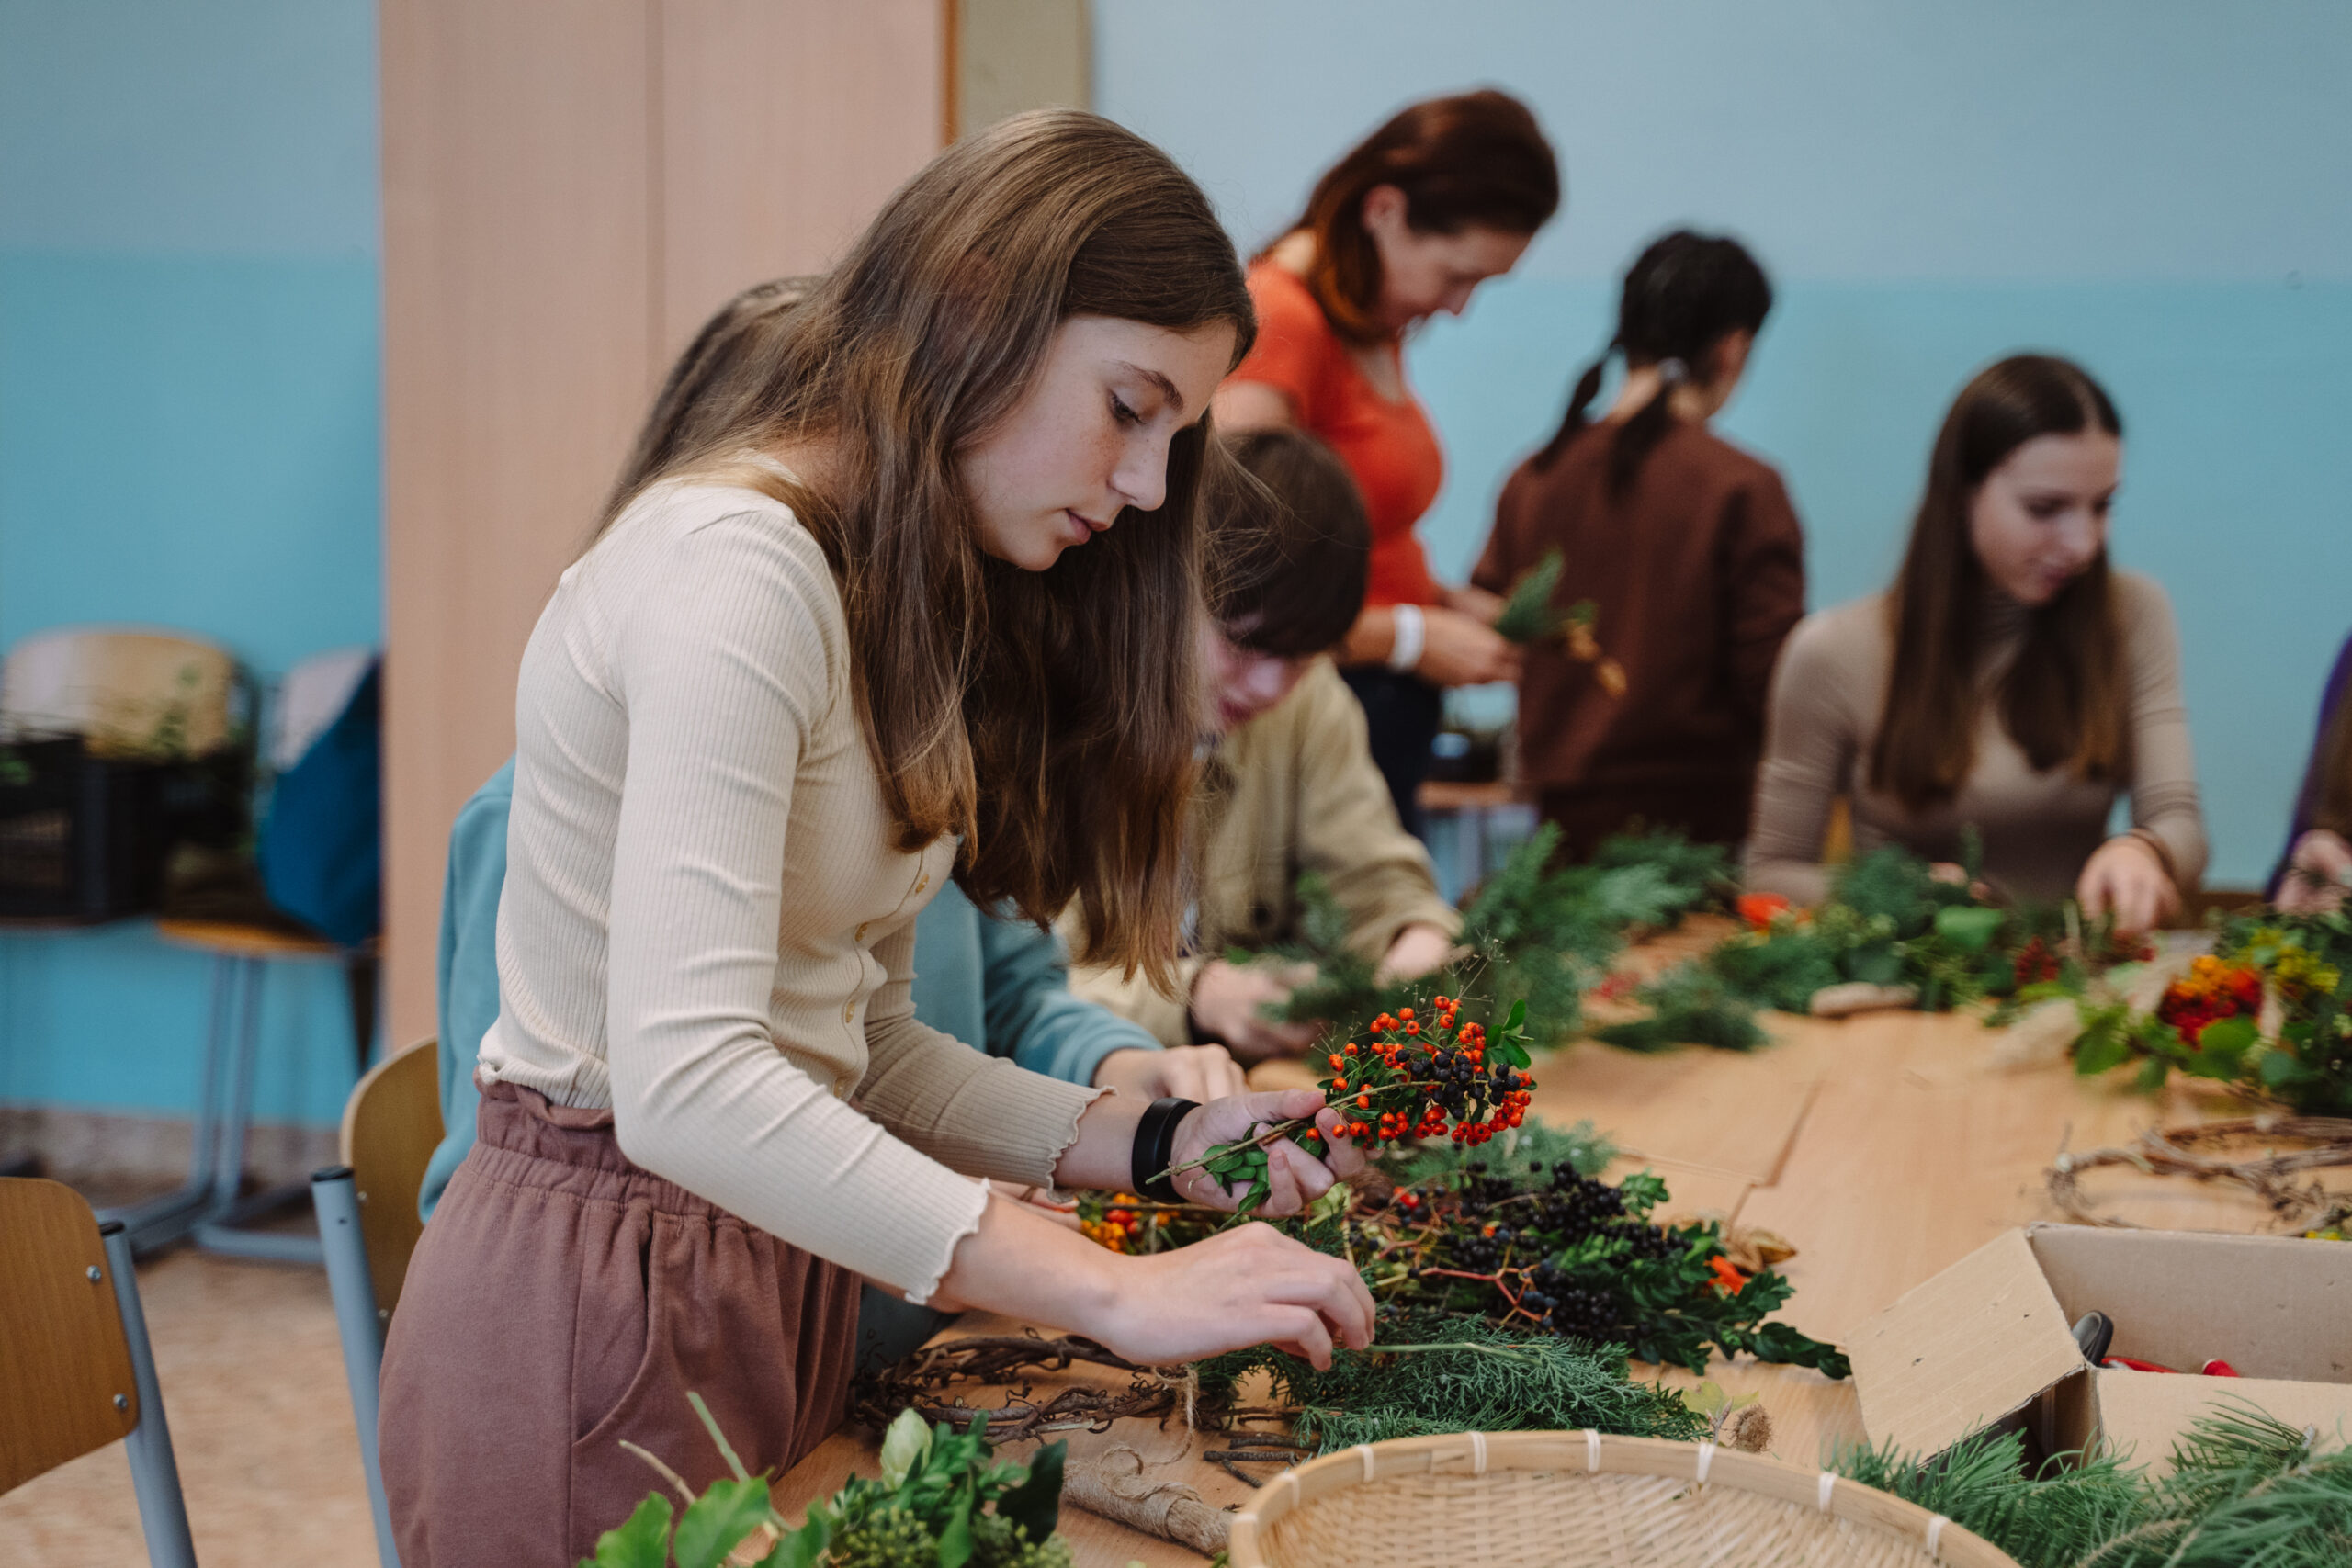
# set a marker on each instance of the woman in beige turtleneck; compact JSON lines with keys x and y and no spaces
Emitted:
{"x":2010,"y":680}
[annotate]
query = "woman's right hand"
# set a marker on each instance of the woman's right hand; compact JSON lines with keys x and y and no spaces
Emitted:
{"x":2318,"y":871}
{"x":1461,"y":650}
{"x":1249,"y":1286}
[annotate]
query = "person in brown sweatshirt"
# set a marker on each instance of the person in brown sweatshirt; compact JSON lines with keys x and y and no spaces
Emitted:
{"x":1688,"y":549}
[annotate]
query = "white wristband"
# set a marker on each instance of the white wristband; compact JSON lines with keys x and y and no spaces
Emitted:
{"x":1411,"y":635}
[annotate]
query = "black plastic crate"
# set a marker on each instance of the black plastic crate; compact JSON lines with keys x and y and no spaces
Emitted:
{"x":82,"y":837}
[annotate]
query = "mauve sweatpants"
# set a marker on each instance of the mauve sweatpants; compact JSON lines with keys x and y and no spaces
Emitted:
{"x":562,"y":1299}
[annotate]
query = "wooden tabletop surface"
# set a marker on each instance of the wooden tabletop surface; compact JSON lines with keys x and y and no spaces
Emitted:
{"x":1885,"y":1147}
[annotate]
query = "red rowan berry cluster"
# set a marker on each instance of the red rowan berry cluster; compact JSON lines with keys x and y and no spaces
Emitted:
{"x":1413,"y":1078}
{"x":1418,"y":1078}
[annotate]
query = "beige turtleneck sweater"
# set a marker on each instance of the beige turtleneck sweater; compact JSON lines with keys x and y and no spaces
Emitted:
{"x":706,"y":924}
{"x":2038,"y":827}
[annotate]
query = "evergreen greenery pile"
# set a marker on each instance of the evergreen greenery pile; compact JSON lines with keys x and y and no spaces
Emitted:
{"x":1534,"y":934}
{"x":2245,"y":1492}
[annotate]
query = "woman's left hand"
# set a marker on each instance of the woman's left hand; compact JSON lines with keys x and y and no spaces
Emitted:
{"x":2126,"y":879}
{"x":1294,"y":1177}
{"x":1476,"y":603}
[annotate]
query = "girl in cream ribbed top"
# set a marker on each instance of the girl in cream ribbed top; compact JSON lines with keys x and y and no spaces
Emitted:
{"x":698,"y":653}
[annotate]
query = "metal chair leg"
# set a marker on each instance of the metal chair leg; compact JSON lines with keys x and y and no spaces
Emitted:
{"x":221,"y":1230}
{"x":360,"y":1327}
{"x":154,"y":1474}
{"x":159,"y":1222}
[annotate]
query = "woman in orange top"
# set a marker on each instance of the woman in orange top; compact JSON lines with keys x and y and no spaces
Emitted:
{"x":1443,"y":196}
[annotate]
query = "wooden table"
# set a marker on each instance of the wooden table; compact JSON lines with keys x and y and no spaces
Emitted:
{"x":1885,"y":1147}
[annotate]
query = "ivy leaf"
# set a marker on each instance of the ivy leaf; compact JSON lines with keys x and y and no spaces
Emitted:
{"x":804,"y":1547}
{"x":1969,"y":927}
{"x":2280,"y":1068}
{"x":643,"y":1542}
{"x":1035,"y":1504}
{"x":719,"y":1519}
{"x":2225,"y":1042}
{"x":956,"y":1540}
{"x":2154,"y":1071}
{"x":2101,"y":1050}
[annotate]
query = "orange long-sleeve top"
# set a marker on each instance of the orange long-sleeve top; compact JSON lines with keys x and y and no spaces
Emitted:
{"x":1388,"y":445}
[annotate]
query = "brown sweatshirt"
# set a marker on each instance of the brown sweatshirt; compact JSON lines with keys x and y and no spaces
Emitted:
{"x":1697,"y":573}
{"x":2038,"y":827}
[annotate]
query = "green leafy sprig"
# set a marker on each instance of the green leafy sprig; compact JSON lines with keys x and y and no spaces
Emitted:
{"x":941,"y":1501}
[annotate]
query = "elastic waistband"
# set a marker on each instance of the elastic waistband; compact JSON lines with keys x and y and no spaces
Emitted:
{"x":522,"y":1140}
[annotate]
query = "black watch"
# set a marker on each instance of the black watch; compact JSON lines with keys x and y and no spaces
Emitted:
{"x":1155,"y":1149}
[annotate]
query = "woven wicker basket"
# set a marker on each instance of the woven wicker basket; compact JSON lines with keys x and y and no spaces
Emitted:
{"x":1584,"y":1500}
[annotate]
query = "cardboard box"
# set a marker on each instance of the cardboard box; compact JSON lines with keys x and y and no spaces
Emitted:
{"x":1989,"y":1341}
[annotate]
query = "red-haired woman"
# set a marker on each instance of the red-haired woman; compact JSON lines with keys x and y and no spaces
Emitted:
{"x":1440,"y":198}
{"x":2010,"y":680}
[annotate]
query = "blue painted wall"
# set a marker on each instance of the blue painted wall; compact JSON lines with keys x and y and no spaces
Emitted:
{"x":189,"y":436}
{"x":2153,"y":186}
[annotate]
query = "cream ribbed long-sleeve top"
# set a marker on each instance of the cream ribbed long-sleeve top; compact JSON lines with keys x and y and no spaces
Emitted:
{"x":705,"y":923}
{"x":2037,"y":827}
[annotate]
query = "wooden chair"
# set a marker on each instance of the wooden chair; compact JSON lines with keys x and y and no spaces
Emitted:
{"x":368,"y":1227}
{"x":77,"y":1371}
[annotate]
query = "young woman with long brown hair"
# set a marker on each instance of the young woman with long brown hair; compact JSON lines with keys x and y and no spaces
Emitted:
{"x":1445,"y":196}
{"x":924,"y":604}
{"x":2010,"y":681}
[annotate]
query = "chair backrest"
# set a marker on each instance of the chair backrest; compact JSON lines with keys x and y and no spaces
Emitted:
{"x":391,"y":1125}
{"x":131,"y":690}
{"x":66,"y":1383}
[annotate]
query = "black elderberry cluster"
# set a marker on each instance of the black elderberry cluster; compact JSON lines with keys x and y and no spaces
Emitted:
{"x":1547,"y":1218}
{"x":1457,"y":1083}
{"x":1579,"y":1311}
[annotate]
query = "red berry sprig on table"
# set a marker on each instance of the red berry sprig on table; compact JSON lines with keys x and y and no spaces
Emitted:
{"x":1412,"y":1077}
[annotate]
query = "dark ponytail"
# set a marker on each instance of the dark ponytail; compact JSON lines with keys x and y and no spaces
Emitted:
{"x":1684,"y":295}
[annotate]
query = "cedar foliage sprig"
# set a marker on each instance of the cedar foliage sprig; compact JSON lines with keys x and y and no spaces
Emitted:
{"x":1523,"y":1383}
{"x":1534,"y":934}
{"x":2245,"y":1490}
{"x":1889,"y":921}
{"x":1528,"y":614}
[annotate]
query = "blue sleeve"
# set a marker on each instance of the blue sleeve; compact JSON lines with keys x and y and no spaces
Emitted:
{"x":2307,"y":799}
{"x":1031,"y":1016}
{"x":466,"y":969}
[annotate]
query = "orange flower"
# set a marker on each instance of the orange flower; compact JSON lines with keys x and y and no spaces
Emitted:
{"x":1759,"y":909}
{"x":1728,"y":1278}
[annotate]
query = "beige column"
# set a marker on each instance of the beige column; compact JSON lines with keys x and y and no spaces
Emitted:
{"x":570,"y":186}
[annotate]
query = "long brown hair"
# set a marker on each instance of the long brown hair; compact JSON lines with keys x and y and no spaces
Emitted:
{"x":1049,"y":718}
{"x":1477,"y":158}
{"x":1682,"y":295}
{"x":700,"y":397}
{"x":2331,"y":805}
{"x":2062,"y":699}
